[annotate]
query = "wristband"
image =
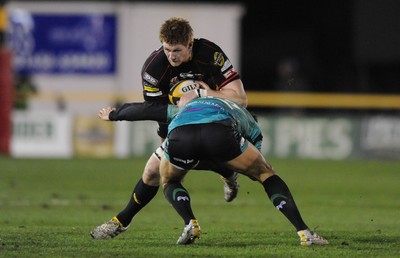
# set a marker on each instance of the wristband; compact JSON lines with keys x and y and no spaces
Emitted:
{"x":201,"y":93}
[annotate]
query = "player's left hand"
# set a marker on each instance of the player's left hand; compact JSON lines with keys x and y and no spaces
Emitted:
{"x":105,"y":112}
{"x":204,"y":85}
{"x":186,"y":98}
{"x":193,"y":94}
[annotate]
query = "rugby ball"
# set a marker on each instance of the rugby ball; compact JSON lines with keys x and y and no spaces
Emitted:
{"x":181,"y":88}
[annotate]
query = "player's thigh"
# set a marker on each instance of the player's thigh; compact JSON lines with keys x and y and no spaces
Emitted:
{"x":182,"y":146}
{"x":169,"y":172}
{"x":252,"y":164}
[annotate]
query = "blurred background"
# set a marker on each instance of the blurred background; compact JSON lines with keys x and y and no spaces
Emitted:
{"x":323,"y":76}
{"x":335,"y":46}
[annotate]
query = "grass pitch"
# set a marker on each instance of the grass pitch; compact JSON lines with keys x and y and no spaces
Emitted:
{"x":48,"y":207}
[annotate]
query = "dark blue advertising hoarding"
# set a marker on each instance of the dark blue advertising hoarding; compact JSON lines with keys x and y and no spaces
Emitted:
{"x":63,"y":43}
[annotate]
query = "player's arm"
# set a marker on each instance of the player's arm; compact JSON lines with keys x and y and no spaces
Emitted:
{"x":228,"y":84}
{"x":233,"y":91}
{"x":136,"y":111}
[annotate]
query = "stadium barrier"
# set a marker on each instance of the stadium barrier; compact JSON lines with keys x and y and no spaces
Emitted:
{"x":330,"y":135}
{"x":257,"y":99}
{"x":324,"y":100}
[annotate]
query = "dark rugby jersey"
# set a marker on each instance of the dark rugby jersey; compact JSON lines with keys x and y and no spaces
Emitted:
{"x":209,"y":63}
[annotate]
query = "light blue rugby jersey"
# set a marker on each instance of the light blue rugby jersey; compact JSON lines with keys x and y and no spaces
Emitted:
{"x":216,"y":110}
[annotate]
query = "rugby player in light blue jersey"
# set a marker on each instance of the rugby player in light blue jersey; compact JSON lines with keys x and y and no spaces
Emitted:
{"x":219,"y":130}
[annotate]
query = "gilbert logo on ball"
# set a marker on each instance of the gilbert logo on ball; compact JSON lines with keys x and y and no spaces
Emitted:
{"x":181,"y":88}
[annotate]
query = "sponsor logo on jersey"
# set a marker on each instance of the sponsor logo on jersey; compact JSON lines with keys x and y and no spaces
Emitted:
{"x":229,"y":73}
{"x":191,"y":75}
{"x":150,"y":88}
{"x":226,"y":65}
{"x":188,"y":161}
{"x":219,"y":59}
{"x":153,"y":94}
{"x":188,"y":75}
{"x":150,"y":79}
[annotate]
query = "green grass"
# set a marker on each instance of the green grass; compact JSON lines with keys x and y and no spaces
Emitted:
{"x":48,"y":207}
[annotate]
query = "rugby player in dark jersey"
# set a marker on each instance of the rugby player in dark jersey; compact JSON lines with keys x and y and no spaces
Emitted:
{"x":180,"y":57}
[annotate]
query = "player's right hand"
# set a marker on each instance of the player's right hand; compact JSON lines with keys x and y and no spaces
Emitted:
{"x":105,"y":112}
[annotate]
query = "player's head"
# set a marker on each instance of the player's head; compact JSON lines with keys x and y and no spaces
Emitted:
{"x":176,"y":36}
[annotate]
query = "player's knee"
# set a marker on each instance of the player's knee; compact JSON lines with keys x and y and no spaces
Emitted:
{"x":260,"y":170}
{"x":151,"y":173}
{"x":265,"y":171}
{"x":151,"y":177}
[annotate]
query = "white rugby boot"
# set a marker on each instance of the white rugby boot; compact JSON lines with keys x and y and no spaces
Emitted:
{"x":109,"y":229}
{"x":190,"y":232}
{"x":308,"y":237}
{"x":231,"y":187}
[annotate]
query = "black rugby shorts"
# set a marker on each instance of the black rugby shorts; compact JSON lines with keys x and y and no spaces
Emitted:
{"x":188,"y":144}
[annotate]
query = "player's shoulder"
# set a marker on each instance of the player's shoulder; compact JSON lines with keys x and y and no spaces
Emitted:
{"x":155,"y":66}
{"x":206,"y":51}
{"x":156,"y":58}
{"x":205,"y":45}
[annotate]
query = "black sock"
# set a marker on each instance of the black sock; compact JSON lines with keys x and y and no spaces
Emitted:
{"x":280,"y":196}
{"x":142,"y":194}
{"x":178,"y":196}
